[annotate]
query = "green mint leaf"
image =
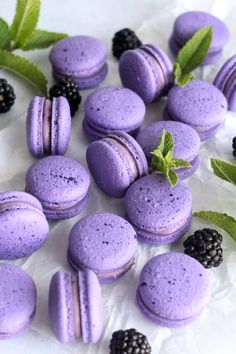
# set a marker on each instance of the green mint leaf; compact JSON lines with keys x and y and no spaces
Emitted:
{"x":25,"y":21}
{"x":179,"y":163}
{"x":24,"y":68}
{"x":5,"y":38}
{"x":224,"y":170}
{"x":42,"y":39}
{"x":168,"y":143}
{"x":224,"y":221}
{"x":192,"y":55}
{"x":172,"y":178}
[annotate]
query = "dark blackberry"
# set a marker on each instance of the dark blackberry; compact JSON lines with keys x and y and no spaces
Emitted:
{"x":129,"y":342}
{"x":205,"y":246}
{"x":69,"y":89}
{"x":123,"y":40}
{"x":7,"y":96}
{"x":234,"y":146}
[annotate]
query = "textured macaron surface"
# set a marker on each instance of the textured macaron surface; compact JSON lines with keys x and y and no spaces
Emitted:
{"x":189,"y":22}
{"x":152,"y":205}
{"x":199,"y":104}
{"x":102,"y":242}
{"x":186,"y":139}
{"x":57,"y":180}
{"x":17,"y":299}
{"x":173,"y":287}
{"x":23,"y":226}
{"x":34,"y":126}
{"x":79,"y":55}
{"x":114,"y":108}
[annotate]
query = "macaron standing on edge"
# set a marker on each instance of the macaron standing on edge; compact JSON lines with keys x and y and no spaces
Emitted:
{"x":75,"y":306}
{"x":109,"y":109}
{"x":61,"y":184}
{"x":23,"y":226}
{"x":105,"y":243}
{"x":159,"y":213}
{"x":82,"y":58}
{"x":173,"y":289}
{"x":186,"y":143}
{"x":18,"y":301}
{"x":225,"y":80}
{"x":198,"y":104}
{"x":147,"y":71}
{"x":115,"y":162}
{"x":190,"y":22}
{"x":48,"y":126}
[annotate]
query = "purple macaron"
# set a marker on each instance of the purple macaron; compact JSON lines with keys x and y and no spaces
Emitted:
{"x":112,"y":108}
{"x":104,"y":243}
{"x":82,"y":58}
{"x":115,"y":162}
{"x":23,"y":226}
{"x":61,"y":184}
{"x":18,"y":301}
{"x":75,"y":306}
{"x":190,"y":22}
{"x":159,"y":213}
{"x":173,"y":289}
{"x":147,"y":71}
{"x":186,"y":143}
{"x":226,"y":82}
{"x":48,"y":126}
{"x":198,"y":104}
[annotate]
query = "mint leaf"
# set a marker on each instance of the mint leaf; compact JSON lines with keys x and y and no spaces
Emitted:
{"x":172,"y":178}
{"x":42,"y":39}
{"x":224,"y":170}
{"x":192,"y":55}
{"x":168,"y":143}
{"x":224,"y":221}
{"x":25,"y":21}
{"x":24,"y":68}
{"x":5,"y":39}
{"x":179,"y":163}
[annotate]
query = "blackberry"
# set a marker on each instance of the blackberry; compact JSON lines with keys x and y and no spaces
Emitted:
{"x":7,"y":96}
{"x":69,"y":89}
{"x":123,"y":40}
{"x":234,"y":146}
{"x":205,"y":246}
{"x":129,"y":342}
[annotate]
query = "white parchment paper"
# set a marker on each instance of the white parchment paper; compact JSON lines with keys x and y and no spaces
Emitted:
{"x":214,"y":330}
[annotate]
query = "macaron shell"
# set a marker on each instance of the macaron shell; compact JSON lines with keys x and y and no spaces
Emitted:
{"x":173,"y":289}
{"x":18,"y":301}
{"x":61,"y":307}
{"x":114,"y":108}
{"x":61,"y":125}
{"x":34,"y":126}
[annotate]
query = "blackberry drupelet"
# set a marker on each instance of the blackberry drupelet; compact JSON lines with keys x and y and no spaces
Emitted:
{"x":234,"y":146}
{"x":205,"y":246}
{"x":123,"y":40}
{"x":129,"y":342}
{"x":69,"y":89}
{"x":7,"y":96}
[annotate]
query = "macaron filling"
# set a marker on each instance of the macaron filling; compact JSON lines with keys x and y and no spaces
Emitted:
{"x":64,"y":206}
{"x":76,"y":306}
{"x":47,"y":125}
{"x":82,"y":74}
{"x":18,"y":205}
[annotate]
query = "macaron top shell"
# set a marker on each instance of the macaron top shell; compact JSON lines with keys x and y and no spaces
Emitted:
{"x":114,"y":108}
{"x":18,"y":300}
{"x":78,"y":55}
{"x":34,"y":126}
{"x":199,"y":104}
{"x":174,"y":286}
{"x":152,"y":205}
{"x":190,"y":22}
{"x":102,"y":242}
{"x":57,"y":180}
{"x":186,"y":139}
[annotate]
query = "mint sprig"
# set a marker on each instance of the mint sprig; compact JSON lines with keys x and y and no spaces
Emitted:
{"x":22,"y":34}
{"x":192,"y":55}
{"x":163,"y":161}
{"x":224,"y":170}
{"x":224,"y":221}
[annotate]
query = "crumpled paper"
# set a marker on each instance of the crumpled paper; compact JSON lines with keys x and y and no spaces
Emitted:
{"x":213,"y":331}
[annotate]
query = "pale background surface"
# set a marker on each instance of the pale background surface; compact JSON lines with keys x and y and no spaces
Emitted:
{"x":214,"y":330}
